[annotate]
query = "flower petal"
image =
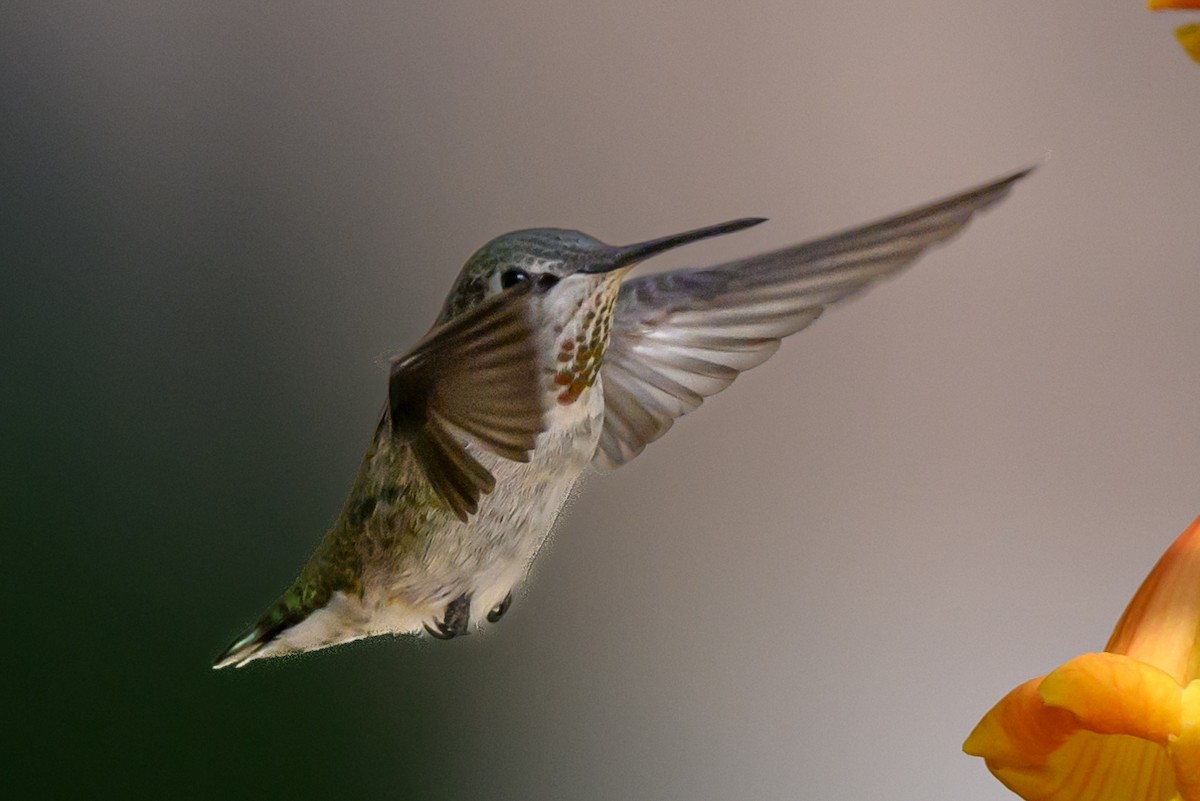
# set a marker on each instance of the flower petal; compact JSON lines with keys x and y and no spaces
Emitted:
{"x":1161,"y":625}
{"x":1119,"y":725}
{"x":1185,"y":747}
{"x":1189,"y":38}
{"x":1044,"y":752}
{"x":1113,"y":694}
{"x":1020,"y":731}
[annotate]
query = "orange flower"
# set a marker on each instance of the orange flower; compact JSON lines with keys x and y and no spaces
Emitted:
{"x":1188,"y":35}
{"x":1189,"y":38}
{"x":1119,"y":725}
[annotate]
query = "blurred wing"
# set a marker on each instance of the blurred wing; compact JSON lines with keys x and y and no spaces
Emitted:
{"x":680,"y":336}
{"x":473,"y":374}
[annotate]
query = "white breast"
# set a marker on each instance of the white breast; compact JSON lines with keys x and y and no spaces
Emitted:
{"x":487,"y":557}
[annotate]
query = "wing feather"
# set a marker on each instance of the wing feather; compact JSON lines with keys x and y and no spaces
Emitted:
{"x":681,"y":336}
{"x":472,"y":374}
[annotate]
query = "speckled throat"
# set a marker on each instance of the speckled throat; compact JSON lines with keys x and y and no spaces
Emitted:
{"x":579,"y":350}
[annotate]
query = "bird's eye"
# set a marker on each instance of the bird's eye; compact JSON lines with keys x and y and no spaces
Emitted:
{"x":510,"y":278}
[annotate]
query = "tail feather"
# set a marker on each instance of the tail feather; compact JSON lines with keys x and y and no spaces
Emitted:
{"x":250,"y":642}
{"x":242,"y":649}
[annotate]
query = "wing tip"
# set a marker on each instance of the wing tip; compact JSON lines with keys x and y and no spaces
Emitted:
{"x":1023,"y":172}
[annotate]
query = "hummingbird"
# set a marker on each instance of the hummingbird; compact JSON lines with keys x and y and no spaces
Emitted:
{"x":545,"y":361}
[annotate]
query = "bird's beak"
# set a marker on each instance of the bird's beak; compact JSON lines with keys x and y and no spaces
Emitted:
{"x":629,"y":255}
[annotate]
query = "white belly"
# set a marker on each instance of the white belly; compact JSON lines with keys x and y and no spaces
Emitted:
{"x":489,"y":555}
{"x":484,"y":559}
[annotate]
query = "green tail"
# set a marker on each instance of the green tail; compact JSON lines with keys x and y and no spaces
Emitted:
{"x":285,"y":613}
{"x":310,"y":591}
{"x":336,"y":565}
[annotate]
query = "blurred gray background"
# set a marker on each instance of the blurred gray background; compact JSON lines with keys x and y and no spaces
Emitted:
{"x":215,"y":218}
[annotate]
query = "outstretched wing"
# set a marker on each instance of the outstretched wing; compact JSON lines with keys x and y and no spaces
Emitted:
{"x":680,"y":336}
{"x":476,"y":374}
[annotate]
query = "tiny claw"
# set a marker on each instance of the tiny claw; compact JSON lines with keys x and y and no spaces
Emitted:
{"x":499,"y":609}
{"x":441,"y":632}
{"x":455,"y":620}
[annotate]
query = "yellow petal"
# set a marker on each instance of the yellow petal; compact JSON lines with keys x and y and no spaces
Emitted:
{"x":1163,"y":5}
{"x":1045,"y":753}
{"x":1020,"y":731}
{"x":1189,"y":37}
{"x":1161,"y":625}
{"x":1185,"y":747}
{"x":1019,"y":739}
{"x":1113,"y":694}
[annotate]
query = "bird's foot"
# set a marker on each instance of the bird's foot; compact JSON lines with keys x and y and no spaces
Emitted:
{"x":455,"y":620}
{"x":499,"y":609}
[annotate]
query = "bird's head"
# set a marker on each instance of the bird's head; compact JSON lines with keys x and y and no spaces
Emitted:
{"x":568,"y":271}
